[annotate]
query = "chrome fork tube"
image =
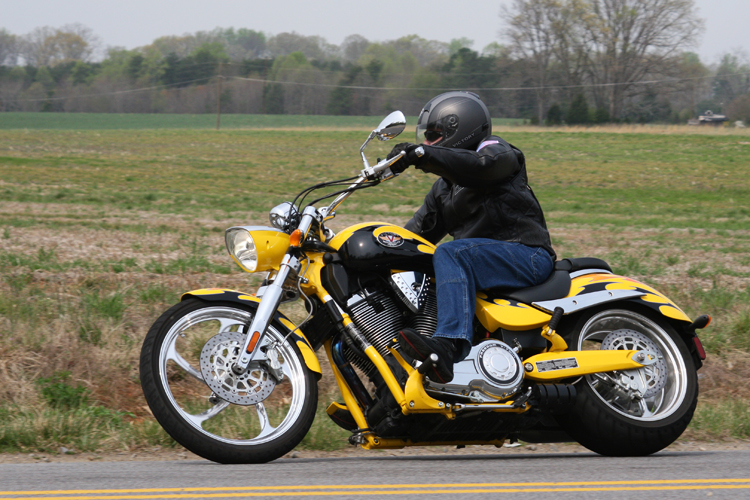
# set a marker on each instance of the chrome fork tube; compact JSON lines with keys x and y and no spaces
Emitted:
{"x":264,"y":314}
{"x":271,"y":298}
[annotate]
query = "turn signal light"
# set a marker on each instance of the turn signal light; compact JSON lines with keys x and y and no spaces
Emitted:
{"x":295,"y":239}
{"x":253,"y":342}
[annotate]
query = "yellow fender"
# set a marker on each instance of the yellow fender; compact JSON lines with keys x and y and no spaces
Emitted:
{"x":280,"y":321}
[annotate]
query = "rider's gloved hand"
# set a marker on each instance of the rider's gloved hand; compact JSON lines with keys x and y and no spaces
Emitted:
{"x":414,"y":153}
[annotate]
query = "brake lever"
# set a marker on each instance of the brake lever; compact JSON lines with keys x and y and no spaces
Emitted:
{"x":382,"y":167}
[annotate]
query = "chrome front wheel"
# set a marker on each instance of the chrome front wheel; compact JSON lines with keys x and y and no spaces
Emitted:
{"x":189,"y":385}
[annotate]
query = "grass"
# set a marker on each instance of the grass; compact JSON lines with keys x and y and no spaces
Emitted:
{"x":138,"y":121}
{"x":102,"y":230}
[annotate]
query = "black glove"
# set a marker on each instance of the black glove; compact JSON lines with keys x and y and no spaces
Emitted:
{"x":410,"y":158}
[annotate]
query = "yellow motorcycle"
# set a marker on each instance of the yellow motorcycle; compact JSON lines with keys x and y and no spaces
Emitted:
{"x":586,"y":356}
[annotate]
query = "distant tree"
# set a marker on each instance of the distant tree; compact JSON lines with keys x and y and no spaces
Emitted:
{"x":243,"y":43}
{"x":554,"y":115}
{"x":273,"y":99}
{"x":694,"y":84}
{"x":578,"y":112}
{"x":459,"y":43}
{"x":46,"y":46}
{"x":601,"y":115}
{"x":424,"y":51}
{"x":9,"y":45}
{"x":532,"y":36}
{"x":629,"y":39}
{"x":341,"y":99}
{"x":313,"y":47}
{"x":180,"y":46}
{"x":739,"y":109}
{"x":353,"y":47}
{"x":602,"y":42}
{"x":732,"y":78}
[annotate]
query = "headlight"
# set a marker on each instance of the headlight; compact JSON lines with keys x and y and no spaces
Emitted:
{"x":257,"y":248}
{"x":280,"y":215}
{"x":242,"y":248}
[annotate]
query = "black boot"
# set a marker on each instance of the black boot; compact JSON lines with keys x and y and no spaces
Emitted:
{"x":420,"y":347}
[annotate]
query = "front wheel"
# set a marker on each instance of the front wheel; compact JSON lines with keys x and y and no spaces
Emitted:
{"x":187,"y":380}
{"x":632,"y":412}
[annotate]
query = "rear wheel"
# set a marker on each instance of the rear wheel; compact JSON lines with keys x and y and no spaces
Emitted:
{"x":632,"y":412}
{"x":188,"y":383}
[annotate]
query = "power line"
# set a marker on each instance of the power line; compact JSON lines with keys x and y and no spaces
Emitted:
{"x":116,"y":92}
{"x":481,"y":89}
{"x":371,"y":88}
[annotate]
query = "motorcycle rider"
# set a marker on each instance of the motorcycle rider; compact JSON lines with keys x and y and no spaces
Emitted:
{"x":482,"y":199}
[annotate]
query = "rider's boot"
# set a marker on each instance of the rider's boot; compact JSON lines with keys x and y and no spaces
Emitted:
{"x":420,"y":347}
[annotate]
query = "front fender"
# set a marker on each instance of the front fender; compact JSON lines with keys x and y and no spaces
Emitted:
{"x":281,"y":322}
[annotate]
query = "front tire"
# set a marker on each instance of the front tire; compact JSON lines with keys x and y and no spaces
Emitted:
{"x":611,"y":420}
{"x":268,"y":418}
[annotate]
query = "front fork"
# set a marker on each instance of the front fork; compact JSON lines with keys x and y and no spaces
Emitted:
{"x":267,"y":307}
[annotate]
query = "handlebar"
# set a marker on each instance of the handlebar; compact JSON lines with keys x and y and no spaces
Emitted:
{"x":381,"y":171}
{"x":371,"y":173}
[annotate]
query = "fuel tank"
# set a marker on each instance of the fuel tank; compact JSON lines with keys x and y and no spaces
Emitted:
{"x":381,"y":245}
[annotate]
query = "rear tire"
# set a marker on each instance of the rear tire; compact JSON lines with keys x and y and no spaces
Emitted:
{"x":172,"y":367}
{"x":607,"y":422}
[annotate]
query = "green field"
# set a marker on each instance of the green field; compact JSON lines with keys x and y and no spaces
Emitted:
{"x":139,"y":121}
{"x":101,"y":230}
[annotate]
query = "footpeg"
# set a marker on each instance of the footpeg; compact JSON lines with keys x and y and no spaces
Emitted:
{"x":428,"y":363}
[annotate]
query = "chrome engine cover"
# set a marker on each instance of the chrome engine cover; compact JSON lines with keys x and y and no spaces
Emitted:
{"x":492,"y":371}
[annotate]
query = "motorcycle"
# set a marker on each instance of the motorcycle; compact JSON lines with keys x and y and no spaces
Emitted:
{"x":587,"y":356}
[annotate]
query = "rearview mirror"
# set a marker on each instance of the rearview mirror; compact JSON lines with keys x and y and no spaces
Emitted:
{"x":391,"y":126}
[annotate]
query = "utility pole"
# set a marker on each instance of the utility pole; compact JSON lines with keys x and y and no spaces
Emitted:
{"x":218,"y":99}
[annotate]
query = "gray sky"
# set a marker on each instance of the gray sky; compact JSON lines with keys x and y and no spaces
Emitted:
{"x":133,"y":23}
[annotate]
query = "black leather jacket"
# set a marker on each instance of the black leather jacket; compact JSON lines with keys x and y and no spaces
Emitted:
{"x":480,"y":194}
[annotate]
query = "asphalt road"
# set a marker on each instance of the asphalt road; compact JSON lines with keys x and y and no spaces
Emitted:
{"x":683,"y":475}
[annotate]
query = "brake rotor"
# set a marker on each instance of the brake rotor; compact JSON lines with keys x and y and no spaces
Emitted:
{"x":654,"y":376}
{"x":218,"y":356}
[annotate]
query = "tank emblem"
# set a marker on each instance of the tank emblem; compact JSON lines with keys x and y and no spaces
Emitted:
{"x":390,"y":240}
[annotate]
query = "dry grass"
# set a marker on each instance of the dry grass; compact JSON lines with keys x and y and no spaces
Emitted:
{"x":84,"y":274}
{"x":631,"y":129}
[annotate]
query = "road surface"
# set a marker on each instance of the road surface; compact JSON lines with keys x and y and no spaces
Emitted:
{"x":678,"y":475}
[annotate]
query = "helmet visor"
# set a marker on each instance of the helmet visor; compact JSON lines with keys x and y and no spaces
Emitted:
{"x":435,"y":132}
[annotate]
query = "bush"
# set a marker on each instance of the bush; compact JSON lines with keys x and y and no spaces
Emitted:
{"x":555,"y":115}
{"x":578,"y":113}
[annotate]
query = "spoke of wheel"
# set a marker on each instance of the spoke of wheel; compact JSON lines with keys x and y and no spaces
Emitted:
{"x":182,"y":362}
{"x":265,"y":425}
{"x":645,"y":412}
{"x":226,"y":324}
{"x":210,"y":413}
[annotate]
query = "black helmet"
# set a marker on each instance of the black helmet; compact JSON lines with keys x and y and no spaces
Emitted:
{"x":454,"y":120}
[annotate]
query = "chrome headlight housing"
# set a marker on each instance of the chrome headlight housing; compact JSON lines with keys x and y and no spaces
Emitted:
{"x":242,"y":248}
{"x":281,"y":216}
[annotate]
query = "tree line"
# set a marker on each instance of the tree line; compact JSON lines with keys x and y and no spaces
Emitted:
{"x":562,"y":61}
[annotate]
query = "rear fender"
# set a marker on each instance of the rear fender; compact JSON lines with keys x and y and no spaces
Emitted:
{"x":280,"y":322}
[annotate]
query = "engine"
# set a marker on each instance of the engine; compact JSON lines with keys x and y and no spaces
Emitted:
{"x":380,"y":313}
{"x":492,"y":371}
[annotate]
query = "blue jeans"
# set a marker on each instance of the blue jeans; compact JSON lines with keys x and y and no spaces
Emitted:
{"x":464,"y":266}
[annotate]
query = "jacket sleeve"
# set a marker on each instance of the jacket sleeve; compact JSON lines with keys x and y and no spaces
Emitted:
{"x":492,"y":164}
{"x":427,"y":221}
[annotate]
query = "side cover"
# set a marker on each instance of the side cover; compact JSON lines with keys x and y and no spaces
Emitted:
{"x":280,"y":321}
{"x":586,"y":291}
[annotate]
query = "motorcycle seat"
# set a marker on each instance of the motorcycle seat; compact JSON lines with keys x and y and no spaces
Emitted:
{"x":573,"y":265}
{"x":556,"y":286}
